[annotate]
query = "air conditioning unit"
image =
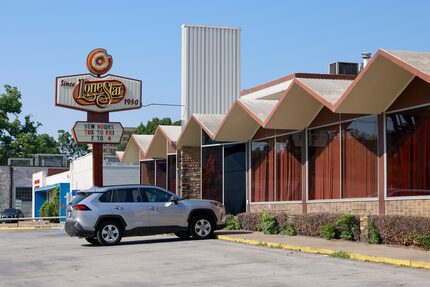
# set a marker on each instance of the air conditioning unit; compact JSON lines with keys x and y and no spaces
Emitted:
{"x":344,"y":68}
{"x":50,"y":160}
{"x":20,"y":161}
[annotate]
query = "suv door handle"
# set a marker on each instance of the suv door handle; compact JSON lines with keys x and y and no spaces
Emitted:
{"x":153,"y":208}
{"x":119,"y":207}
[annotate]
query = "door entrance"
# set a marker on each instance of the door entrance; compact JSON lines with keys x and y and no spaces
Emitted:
{"x":235,"y":178}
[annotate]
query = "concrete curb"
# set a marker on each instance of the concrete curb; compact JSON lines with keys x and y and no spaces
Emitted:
{"x":354,"y":256}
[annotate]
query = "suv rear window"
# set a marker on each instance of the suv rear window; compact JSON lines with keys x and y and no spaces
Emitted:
{"x":79,"y":197}
{"x":106,"y":196}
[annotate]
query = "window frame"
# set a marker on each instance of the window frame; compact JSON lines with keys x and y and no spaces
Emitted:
{"x":398,"y":198}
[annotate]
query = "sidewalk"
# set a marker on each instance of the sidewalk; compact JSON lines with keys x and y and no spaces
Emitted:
{"x":400,"y":256}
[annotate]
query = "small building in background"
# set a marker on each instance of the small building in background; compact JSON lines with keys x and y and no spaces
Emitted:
{"x":16,"y":179}
{"x":78,"y":177}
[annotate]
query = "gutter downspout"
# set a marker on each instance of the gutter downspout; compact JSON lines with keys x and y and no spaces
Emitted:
{"x":11,"y":187}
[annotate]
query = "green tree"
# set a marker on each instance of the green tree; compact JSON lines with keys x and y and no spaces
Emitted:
{"x":20,"y":139}
{"x":150,"y":127}
{"x":67,"y":146}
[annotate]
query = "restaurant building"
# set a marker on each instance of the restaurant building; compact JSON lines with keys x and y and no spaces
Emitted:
{"x":311,"y":143}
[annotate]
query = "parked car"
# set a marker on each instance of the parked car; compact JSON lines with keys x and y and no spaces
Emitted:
{"x":11,"y":213}
{"x":105,"y":215}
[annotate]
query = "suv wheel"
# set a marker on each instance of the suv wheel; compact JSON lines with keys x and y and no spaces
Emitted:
{"x":93,"y":241}
{"x":201,"y":227}
{"x":109,"y":233}
{"x":183,"y":234}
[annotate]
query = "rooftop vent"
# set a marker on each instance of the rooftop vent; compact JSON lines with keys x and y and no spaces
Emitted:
{"x":344,"y":68}
{"x":366,"y":58}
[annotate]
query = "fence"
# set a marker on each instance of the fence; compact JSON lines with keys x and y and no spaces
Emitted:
{"x":38,"y":220}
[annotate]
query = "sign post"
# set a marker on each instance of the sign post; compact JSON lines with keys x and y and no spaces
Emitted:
{"x":98,"y":95}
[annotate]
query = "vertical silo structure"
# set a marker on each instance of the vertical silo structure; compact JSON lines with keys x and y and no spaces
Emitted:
{"x":210,"y":69}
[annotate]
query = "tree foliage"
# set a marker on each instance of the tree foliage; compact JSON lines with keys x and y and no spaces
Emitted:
{"x":150,"y":127}
{"x":67,"y":146}
{"x":17,"y":138}
{"x":21,"y":139}
{"x":51,"y":208}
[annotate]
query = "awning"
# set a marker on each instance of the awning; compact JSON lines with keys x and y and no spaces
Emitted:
{"x":47,"y":188}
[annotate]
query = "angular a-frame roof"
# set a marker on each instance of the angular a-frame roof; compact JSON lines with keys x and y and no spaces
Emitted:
{"x":243,"y":119}
{"x":136,"y":148}
{"x":163,"y":136}
{"x":388,"y":73}
{"x":191,"y":135}
{"x":303,"y":100}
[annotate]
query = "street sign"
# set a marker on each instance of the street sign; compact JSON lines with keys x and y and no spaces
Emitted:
{"x":91,"y":132}
{"x":90,"y":93}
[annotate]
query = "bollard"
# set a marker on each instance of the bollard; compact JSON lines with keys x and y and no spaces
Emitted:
{"x":364,"y":228}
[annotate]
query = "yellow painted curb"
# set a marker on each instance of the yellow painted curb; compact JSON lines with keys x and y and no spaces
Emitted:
{"x":354,"y":256}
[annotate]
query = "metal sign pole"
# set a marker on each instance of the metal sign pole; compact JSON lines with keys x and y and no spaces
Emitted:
{"x":98,"y":149}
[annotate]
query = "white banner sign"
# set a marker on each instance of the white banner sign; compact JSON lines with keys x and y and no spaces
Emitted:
{"x":105,"y":133}
{"x":89,"y":93}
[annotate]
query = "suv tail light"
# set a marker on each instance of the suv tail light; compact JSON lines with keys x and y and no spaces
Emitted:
{"x":81,"y":207}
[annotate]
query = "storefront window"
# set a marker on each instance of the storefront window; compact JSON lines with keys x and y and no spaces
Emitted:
{"x":408,"y":153}
{"x":147,"y":172}
{"x":171,"y":173}
{"x":262,"y":170}
{"x":359,"y":158}
{"x":212,"y":173}
{"x":161,"y":173}
{"x":324,"y":163}
{"x":289,"y":167}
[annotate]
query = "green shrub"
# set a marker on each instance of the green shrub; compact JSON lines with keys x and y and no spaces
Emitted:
{"x":340,"y":254}
{"x":51,"y":208}
{"x":289,"y":228}
{"x":329,"y":231}
{"x":268,"y":224}
{"x":374,"y":235}
{"x":348,"y":226}
{"x":232,"y":222}
{"x":423,"y":241}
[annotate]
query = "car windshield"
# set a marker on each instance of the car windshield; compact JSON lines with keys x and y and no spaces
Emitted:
{"x":10,"y":210}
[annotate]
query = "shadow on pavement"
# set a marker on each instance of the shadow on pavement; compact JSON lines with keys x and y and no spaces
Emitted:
{"x":136,"y":242}
{"x":232,"y":232}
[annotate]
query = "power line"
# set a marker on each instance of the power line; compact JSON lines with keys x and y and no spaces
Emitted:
{"x":158,"y":104}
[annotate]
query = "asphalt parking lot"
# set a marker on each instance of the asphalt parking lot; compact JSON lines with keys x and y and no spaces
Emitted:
{"x":50,"y":258}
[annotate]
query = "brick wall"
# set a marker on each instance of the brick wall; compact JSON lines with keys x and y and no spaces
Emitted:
{"x":4,"y":187}
{"x":408,"y":207}
{"x":354,"y":207}
{"x":291,"y":208}
{"x":189,"y":172}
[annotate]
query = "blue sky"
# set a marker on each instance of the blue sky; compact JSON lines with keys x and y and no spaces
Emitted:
{"x":40,"y":40}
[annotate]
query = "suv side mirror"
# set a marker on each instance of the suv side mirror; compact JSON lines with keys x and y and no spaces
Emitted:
{"x":174,"y":199}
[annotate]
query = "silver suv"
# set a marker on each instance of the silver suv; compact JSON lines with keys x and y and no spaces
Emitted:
{"x":104,"y":215}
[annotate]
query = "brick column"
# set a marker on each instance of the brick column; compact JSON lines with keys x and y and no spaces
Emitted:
{"x":189,"y":173}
